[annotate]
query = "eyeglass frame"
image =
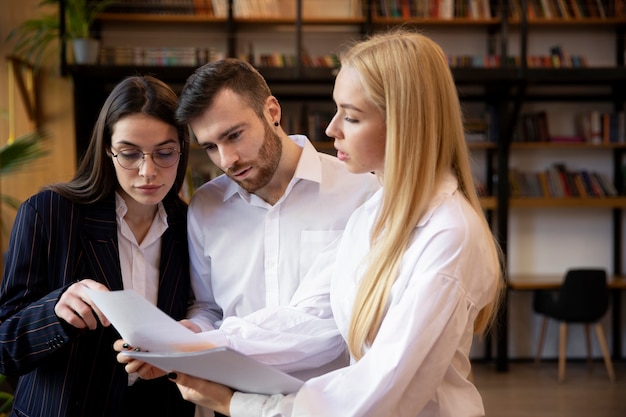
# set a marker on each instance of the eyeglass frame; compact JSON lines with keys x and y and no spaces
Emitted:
{"x":143,"y":157}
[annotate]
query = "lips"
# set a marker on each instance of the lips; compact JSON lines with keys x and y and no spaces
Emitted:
{"x":342,"y":156}
{"x":149,"y":189}
{"x":241,"y":173}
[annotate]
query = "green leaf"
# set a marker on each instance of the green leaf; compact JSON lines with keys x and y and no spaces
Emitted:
{"x":16,"y":155}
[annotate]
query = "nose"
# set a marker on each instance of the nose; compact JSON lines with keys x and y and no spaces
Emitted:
{"x":147,"y":168}
{"x":331,"y":130}
{"x":228,"y":157}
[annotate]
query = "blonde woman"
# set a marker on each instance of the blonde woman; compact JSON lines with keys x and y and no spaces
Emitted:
{"x":417,"y":271}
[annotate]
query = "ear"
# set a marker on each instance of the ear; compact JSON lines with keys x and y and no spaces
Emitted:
{"x":274,"y":112}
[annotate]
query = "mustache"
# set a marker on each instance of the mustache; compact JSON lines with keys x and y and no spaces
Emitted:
{"x":236,"y":168}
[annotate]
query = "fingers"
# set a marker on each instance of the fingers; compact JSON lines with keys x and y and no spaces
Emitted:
{"x":191,"y":325}
{"x":77,"y":309}
{"x":202,"y":392}
{"x":96,"y":286}
{"x":143,"y":369}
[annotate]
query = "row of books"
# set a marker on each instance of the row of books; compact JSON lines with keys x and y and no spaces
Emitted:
{"x":560,"y":58}
{"x":241,"y":8}
{"x":568,"y":9}
{"x":532,"y":127}
{"x":477,"y":129}
{"x":554,"y":60}
{"x":190,"y":56}
{"x":217,"y":8}
{"x":474,"y":61}
{"x":436,"y":9}
{"x":256,"y":8}
{"x":159,"y":6}
{"x":405,"y":9}
{"x":157,"y":56}
{"x":601,"y":127}
{"x":559,"y":182}
{"x":594,"y":127}
{"x":281,"y":60}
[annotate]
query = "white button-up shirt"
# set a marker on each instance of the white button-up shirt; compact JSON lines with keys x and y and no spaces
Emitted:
{"x":247,"y":254}
{"x":419,"y":363}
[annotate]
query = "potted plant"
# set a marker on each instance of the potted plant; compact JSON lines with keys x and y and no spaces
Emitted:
{"x":33,"y":36}
{"x":6,"y":398}
{"x":15,"y":156}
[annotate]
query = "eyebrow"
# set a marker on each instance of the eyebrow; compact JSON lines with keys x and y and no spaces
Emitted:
{"x":128,"y":143}
{"x":232,"y":129}
{"x":350,"y":107}
{"x":224,"y":134}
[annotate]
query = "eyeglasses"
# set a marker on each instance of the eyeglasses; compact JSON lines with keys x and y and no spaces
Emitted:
{"x":133,"y":158}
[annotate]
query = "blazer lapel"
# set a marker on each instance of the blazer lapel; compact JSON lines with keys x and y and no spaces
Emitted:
{"x":100,"y":242}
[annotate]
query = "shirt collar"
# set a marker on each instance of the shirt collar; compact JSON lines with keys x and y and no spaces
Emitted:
{"x":121,"y":209}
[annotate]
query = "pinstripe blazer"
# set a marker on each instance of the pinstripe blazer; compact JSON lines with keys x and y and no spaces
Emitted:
{"x":65,"y":371}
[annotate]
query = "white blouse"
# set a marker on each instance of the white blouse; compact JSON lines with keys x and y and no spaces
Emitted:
{"x":419,"y":363}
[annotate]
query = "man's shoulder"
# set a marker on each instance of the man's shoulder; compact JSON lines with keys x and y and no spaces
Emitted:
{"x":217,"y":185}
{"x":213,"y":190}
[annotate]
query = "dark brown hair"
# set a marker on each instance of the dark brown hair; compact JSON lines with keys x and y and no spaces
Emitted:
{"x":208,"y":80}
{"x":95,"y":177}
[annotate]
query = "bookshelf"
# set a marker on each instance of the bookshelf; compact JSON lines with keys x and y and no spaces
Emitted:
{"x":510,"y":70}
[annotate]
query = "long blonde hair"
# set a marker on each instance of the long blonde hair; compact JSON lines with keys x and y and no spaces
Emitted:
{"x":406,"y":75}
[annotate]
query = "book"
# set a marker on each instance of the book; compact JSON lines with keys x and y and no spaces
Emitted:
{"x":168,"y":345}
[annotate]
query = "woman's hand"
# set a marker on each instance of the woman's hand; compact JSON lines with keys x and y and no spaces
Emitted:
{"x":143,"y":369}
{"x":202,"y":392}
{"x":77,"y":309}
{"x":190,"y":325}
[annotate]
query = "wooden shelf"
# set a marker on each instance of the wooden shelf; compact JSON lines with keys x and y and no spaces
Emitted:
{"x":200,"y":18}
{"x":159,"y":18}
{"x":566,"y":145}
{"x":482,"y":145}
{"x":489,"y":203}
{"x":568,"y":202}
{"x":531,"y":282}
{"x":584,"y":22}
{"x":457,"y":21}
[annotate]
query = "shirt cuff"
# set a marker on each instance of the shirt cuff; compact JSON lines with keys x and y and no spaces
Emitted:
{"x":247,"y":405}
{"x":215,"y":337}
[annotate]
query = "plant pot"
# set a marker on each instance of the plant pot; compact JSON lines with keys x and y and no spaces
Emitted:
{"x":86,"y":50}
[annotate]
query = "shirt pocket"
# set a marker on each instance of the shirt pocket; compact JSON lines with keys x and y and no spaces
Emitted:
{"x":312,"y":243}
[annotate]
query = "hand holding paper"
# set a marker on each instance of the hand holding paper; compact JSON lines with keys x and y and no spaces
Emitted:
{"x":143,"y":325}
{"x":170,"y":346}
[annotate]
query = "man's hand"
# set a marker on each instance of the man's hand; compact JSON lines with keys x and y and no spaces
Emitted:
{"x":77,"y":309}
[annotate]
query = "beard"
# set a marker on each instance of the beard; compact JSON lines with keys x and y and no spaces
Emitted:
{"x":266,"y":165}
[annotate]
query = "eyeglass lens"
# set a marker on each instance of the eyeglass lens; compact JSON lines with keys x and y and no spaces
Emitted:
{"x":132,"y":158}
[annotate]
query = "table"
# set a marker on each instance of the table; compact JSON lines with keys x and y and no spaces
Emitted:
{"x":616,"y":283}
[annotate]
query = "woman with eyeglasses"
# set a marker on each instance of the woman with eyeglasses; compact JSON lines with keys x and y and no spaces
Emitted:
{"x":118,"y":224}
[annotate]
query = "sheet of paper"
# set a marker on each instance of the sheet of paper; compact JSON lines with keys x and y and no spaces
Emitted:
{"x":143,"y":325}
{"x":227,"y":367}
{"x":170,"y":346}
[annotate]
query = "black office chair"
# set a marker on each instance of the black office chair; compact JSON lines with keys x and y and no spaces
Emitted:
{"x":583,"y":298}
